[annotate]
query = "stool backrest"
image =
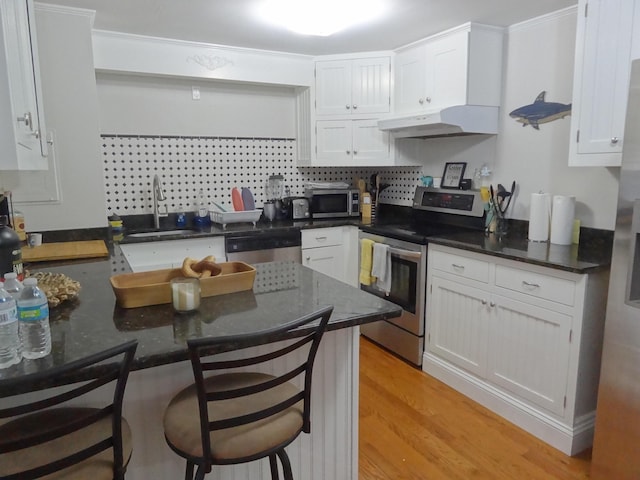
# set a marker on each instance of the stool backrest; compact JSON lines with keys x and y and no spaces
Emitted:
{"x":75,"y":380}
{"x":202,"y":349}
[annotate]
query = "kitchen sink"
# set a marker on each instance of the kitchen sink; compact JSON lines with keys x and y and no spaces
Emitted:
{"x":162,"y":233}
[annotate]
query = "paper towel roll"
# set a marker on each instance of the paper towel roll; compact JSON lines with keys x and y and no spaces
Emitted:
{"x":562,"y":215}
{"x":539,"y":217}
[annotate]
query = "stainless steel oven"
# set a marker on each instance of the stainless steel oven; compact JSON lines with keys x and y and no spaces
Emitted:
{"x":403,"y":335}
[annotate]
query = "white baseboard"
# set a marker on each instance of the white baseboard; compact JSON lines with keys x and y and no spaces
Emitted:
{"x":569,"y":439}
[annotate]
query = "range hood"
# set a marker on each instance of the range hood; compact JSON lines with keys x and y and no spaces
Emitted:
{"x":455,"y":120}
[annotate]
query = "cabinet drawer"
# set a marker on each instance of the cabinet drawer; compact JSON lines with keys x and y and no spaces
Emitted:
{"x":462,"y":266}
{"x":538,"y":285}
{"x":321,"y":237}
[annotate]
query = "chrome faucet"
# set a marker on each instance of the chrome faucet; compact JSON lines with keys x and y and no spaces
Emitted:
{"x":158,"y":196}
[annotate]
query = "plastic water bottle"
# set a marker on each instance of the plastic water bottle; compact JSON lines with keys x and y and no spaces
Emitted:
{"x":33,"y":318}
{"x":12,"y":284}
{"x":9,"y":337}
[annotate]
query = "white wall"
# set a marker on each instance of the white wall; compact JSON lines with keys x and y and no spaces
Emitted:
{"x":144,"y":105}
{"x":539,"y":56}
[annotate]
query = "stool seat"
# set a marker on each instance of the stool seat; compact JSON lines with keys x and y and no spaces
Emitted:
{"x":233,"y":445}
{"x":98,"y":467}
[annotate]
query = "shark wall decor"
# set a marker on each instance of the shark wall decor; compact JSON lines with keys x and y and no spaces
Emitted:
{"x":540,"y":111}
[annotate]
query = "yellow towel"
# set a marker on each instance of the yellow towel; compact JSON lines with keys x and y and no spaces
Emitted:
{"x":366,"y":259}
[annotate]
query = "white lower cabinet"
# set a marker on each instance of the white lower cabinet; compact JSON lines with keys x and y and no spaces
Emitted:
{"x":521,"y":339}
{"x":332,"y":251}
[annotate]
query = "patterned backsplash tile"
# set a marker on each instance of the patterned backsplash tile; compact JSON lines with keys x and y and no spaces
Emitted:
{"x":216,"y":165}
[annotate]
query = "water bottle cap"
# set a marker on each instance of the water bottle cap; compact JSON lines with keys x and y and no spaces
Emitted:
{"x":30,"y":281}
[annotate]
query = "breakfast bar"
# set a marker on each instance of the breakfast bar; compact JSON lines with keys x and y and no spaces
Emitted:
{"x":282,"y":292}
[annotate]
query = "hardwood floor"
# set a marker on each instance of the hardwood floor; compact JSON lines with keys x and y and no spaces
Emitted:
{"x":412,"y":426}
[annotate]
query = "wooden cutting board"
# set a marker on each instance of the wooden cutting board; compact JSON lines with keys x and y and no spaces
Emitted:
{"x":65,"y":251}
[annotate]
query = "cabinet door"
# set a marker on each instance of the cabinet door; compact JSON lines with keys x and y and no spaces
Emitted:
{"x":601,"y":82}
{"x":334,"y":141}
{"x":327,"y":260}
{"x":369,"y":142}
{"x":457,"y":324}
{"x":529,"y":352}
{"x":371,"y":89}
{"x":446,"y":71}
{"x":333,"y":88}
{"x":22,"y":118}
{"x":409,"y":76}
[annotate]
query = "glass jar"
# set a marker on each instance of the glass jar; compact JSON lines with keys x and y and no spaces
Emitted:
{"x":185,"y":294}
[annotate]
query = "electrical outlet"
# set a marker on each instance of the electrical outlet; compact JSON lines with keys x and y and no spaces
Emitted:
{"x":195,"y":93}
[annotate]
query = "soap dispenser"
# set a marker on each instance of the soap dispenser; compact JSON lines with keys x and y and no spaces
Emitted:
{"x":201,"y":218}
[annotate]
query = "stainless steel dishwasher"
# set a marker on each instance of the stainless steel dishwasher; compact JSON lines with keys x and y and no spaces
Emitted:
{"x":266,"y":246}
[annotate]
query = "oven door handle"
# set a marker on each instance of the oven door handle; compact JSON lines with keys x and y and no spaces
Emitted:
{"x":405,"y":253}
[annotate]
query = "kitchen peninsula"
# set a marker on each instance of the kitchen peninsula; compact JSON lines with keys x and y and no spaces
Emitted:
{"x":282,"y":292}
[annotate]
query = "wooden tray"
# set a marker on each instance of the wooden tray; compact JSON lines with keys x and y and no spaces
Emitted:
{"x":152,"y":288}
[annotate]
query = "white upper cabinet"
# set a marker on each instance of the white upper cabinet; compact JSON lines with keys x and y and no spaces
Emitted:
{"x":352,"y":87}
{"x":601,"y":82}
{"x":351,"y":143}
{"x":457,"y":67}
{"x":22,"y":132}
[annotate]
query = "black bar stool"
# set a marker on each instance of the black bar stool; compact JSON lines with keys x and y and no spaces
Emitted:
{"x":238,"y":417}
{"x":68,"y":442}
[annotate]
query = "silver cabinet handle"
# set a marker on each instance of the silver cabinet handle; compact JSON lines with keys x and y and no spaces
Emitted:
{"x":428,"y":99}
{"x":484,"y":302}
{"x":457,"y":267}
{"x":348,"y":152}
{"x":492,"y":304}
{"x":355,"y":152}
{"x":28,"y":121}
{"x":321,"y":238}
{"x":355,"y":106}
{"x":348,"y":107}
{"x":308,"y":258}
{"x":421,"y":101}
{"x":614,"y":140}
{"x":530,"y":285}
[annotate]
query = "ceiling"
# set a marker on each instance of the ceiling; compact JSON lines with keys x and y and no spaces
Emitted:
{"x":231,"y":22}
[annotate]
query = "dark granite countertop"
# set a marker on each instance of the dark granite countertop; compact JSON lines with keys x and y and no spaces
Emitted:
{"x":282,"y":292}
{"x":590,"y":255}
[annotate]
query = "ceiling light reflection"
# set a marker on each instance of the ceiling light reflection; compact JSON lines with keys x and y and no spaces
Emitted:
{"x":320,"y":17}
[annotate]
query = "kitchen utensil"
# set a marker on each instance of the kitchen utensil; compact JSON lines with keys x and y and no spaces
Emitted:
{"x":247,"y":199}
{"x":236,"y":200}
{"x":219,"y":207}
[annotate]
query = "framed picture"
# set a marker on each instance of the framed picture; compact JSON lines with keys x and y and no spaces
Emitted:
{"x":453,"y":173}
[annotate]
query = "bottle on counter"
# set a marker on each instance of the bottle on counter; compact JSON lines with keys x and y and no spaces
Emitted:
{"x":9,"y":337}
{"x":10,"y":251}
{"x":33,"y":320}
{"x":12,"y":284}
{"x":181,"y":217}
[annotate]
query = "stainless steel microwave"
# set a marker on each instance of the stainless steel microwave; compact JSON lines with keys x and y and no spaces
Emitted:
{"x":332,"y":203}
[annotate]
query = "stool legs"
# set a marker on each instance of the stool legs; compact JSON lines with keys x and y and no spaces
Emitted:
{"x":188,"y":474}
{"x":286,"y":464}
{"x":273,"y":462}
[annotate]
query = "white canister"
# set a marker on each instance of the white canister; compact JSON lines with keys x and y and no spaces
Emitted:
{"x":539,"y":217}
{"x":563,"y":213}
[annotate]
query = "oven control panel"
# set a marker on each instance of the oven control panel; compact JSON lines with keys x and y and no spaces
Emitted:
{"x":460,"y":202}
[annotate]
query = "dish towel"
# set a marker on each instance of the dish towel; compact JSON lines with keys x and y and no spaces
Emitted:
{"x":366,"y":257}
{"x":381,"y":267}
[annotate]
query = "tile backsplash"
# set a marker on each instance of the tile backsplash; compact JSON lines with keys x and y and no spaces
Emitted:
{"x":216,"y":165}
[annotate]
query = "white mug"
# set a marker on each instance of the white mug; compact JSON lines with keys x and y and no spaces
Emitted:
{"x":34,"y":239}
